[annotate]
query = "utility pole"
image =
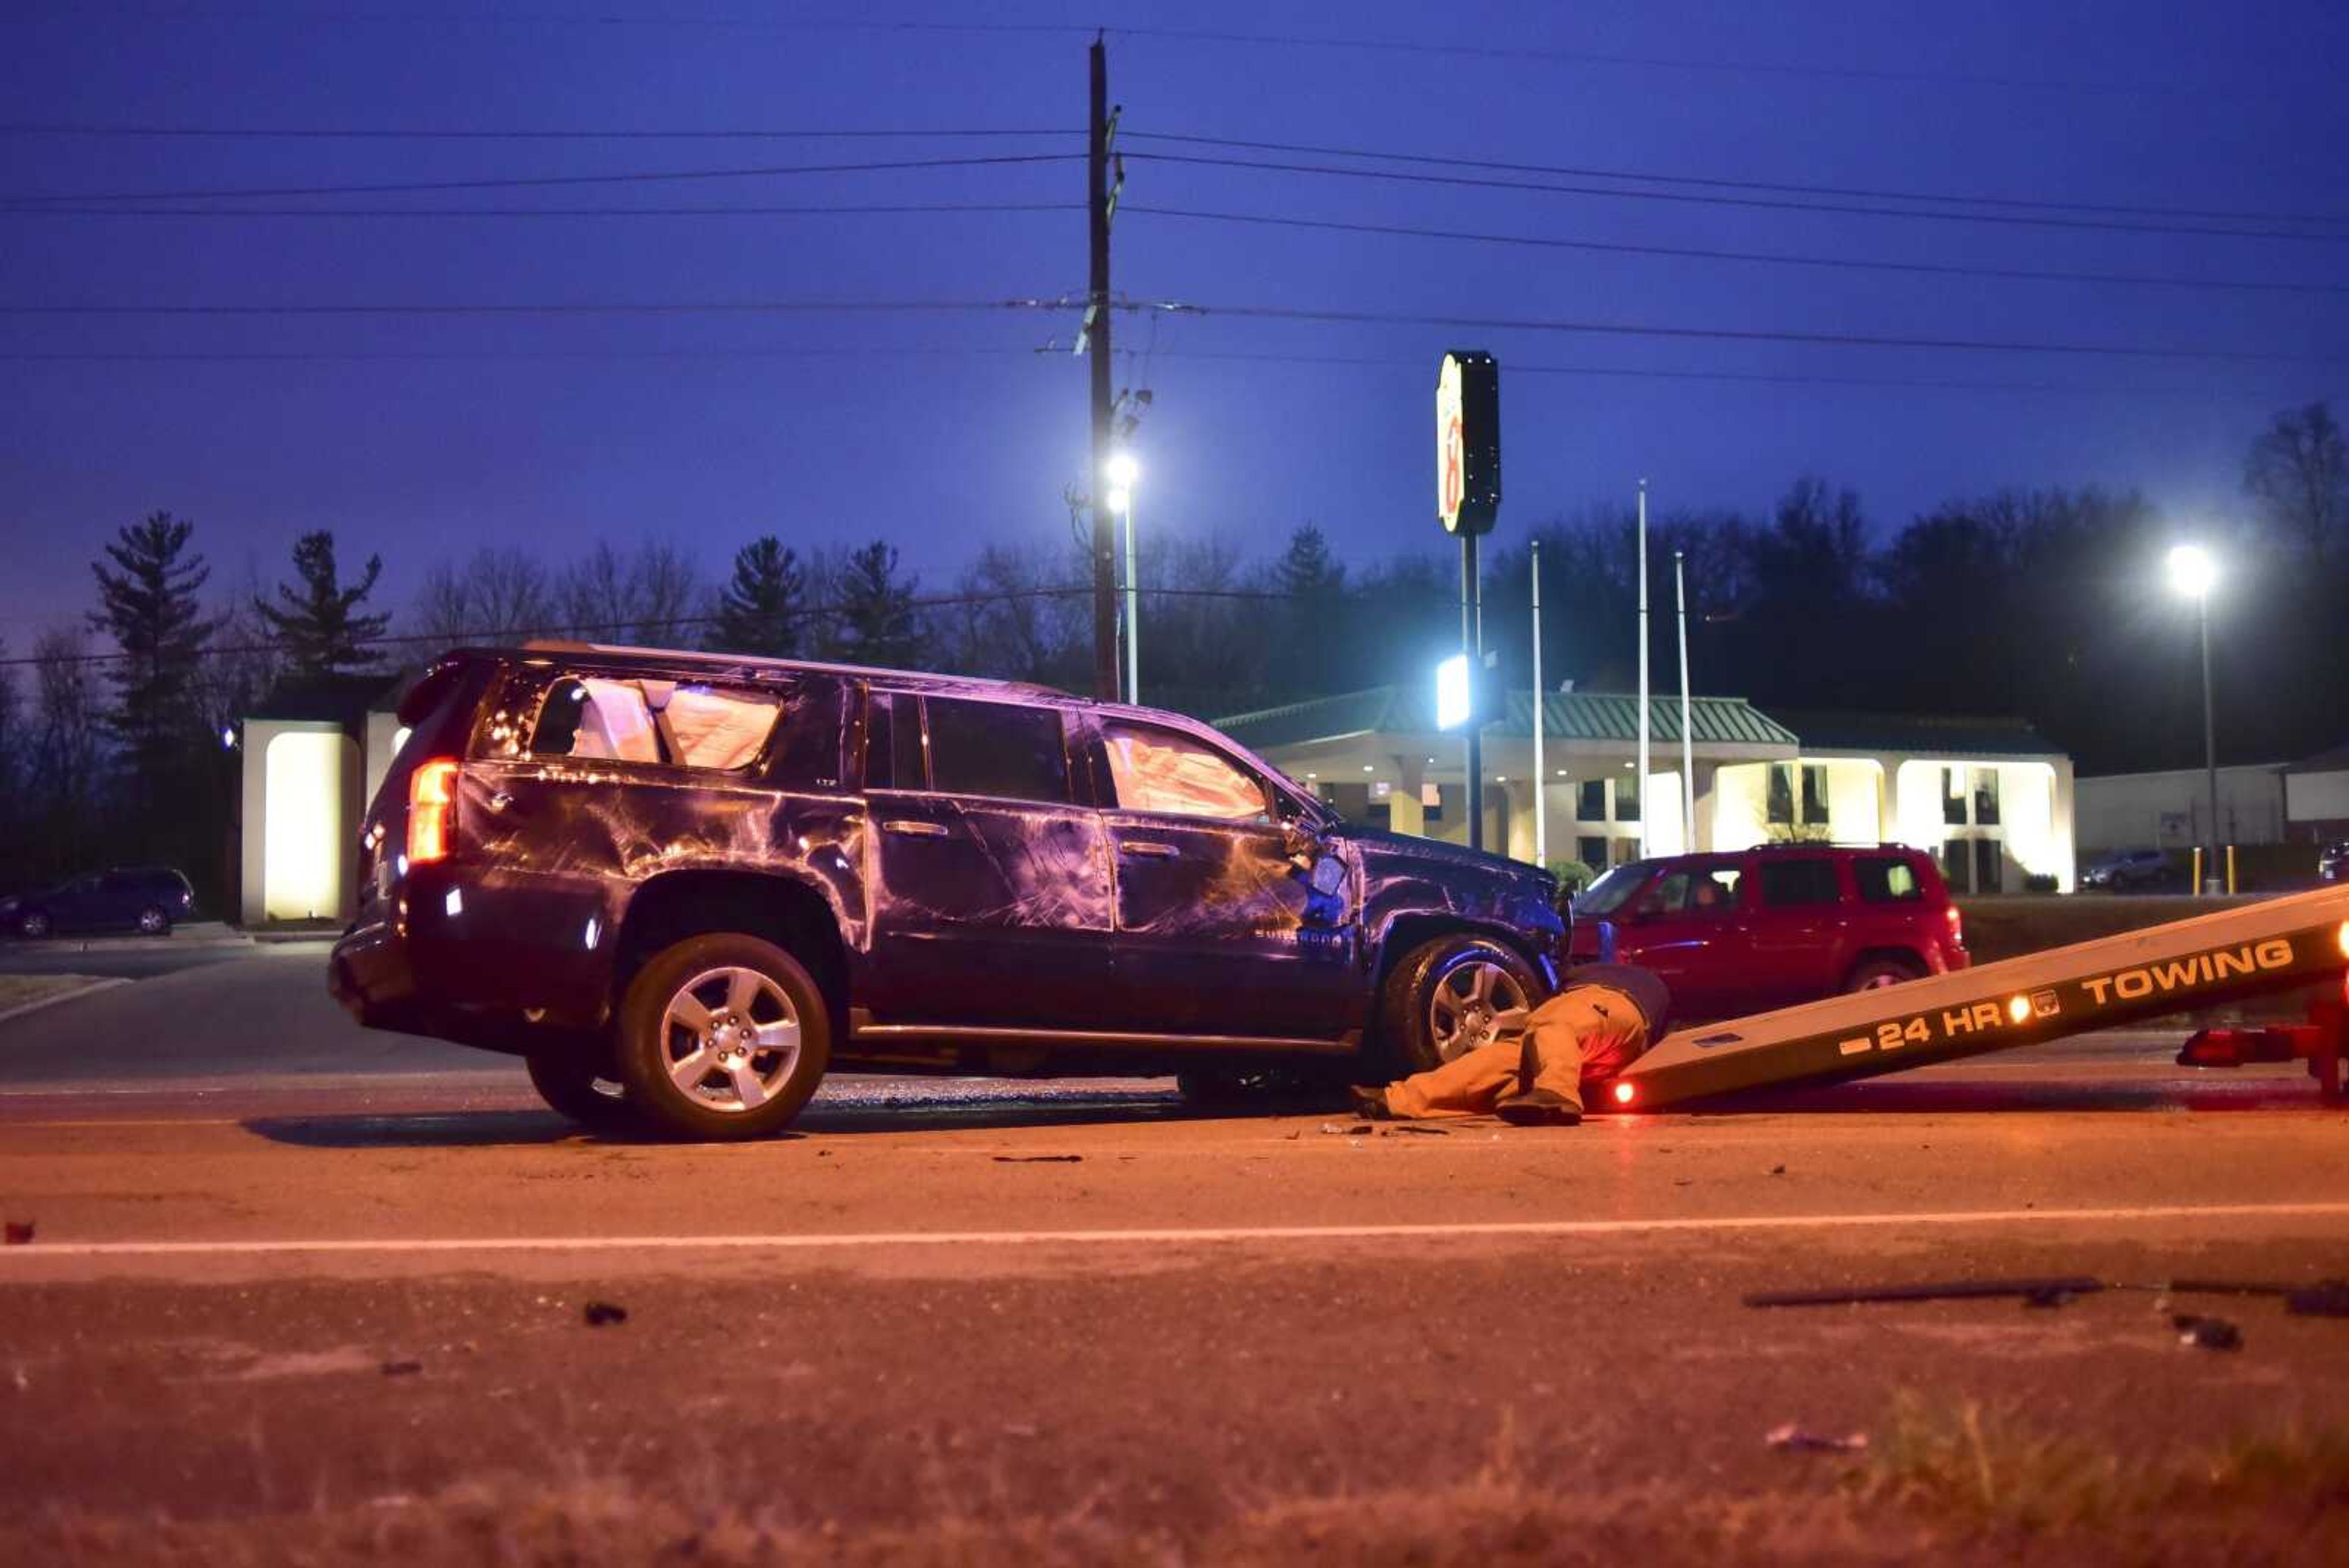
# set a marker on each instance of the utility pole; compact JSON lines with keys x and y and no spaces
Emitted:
{"x":1098,"y":131}
{"x":1541,"y":778}
{"x":1647,"y":809}
{"x":1472,"y":643}
{"x":1688,"y":736}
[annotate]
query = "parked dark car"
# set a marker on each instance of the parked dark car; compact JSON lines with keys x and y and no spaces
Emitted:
{"x":2131,"y":870}
{"x":2332,"y":862}
{"x":1769,"y":927}
{"x":707,"y":879}
{"x":145,"y":899}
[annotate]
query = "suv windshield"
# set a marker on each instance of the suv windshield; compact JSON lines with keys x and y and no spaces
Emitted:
{"x":1610,"y":892}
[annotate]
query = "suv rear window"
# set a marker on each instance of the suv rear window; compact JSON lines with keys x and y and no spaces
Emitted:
{"x":1790,"y":884}
{"x":1884,"y":880}
{"x":652,"y":722}
{"x":997,"y":748}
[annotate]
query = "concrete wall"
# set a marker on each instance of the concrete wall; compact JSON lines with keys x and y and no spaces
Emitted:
{"x":302,"y":807}
{"x":2316,"y":801}
{"x":2168,"y":810}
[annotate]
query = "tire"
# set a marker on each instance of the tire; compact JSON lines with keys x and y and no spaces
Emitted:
{"x":762,"y":1039}
{"x":34,"y":926}
{"x":154,"y":923}
{"x":1877,"y":973}
{"x":1454,"y":976}
{"x":571,"y":1085}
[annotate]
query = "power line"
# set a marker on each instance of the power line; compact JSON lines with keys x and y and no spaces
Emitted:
{"x":1417,"y":49}
{"x":1721,"y":182}
{"x":405,"y":133}
{"x":541,"y":181}
{"x":1754,"y":335}
{"x":647,"y":307}
{"x":798,"y":210}
{"x":1780,"y":258}
{"x":1256,"y":311}
{"x":1516,"y":367}
{"x":1771,"y":203}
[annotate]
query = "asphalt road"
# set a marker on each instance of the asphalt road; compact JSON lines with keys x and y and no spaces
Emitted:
{"x":994,"y":1321}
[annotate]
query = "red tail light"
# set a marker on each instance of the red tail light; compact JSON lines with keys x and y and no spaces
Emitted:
{"x":1957,"y":926}
{"x":432,"y":810}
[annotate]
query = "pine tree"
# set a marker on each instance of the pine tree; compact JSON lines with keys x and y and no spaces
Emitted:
{"x":877,"y":622}
{"x":759,"y":611}
{"x":316,"y":620}
{"x":150,"y":608}
{"x":1308,"y":570}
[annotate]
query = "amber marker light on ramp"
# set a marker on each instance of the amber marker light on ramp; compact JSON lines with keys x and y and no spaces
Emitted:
{"x":432,"y":810}
{"x":2340,"y":939}
{"x":2018,"y":1008}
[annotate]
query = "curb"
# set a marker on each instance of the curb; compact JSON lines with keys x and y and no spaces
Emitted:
{"x":76,"y":994}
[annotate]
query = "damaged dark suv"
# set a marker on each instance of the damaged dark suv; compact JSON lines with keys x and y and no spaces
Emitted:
{"x":684,"y":885}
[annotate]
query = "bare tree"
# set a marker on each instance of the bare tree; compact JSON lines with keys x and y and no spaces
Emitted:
{"x":647,"y":597}
{"x":2298,"y":473}
{"x":69,"y":754}
{"x":493,"y":596}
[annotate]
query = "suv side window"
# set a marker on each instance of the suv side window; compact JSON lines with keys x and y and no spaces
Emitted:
{"x":1705,"y":890}
{"x":1160,"y":771}
{"x":895,"y":757}
{"x":997,"y":748}
{"x":1793,"y":884}
{"x":1882,"y":879}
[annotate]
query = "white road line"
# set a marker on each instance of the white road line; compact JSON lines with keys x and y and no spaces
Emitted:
{"x":1530,"y":1228}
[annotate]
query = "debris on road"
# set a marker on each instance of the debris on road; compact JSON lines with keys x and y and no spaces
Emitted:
{"x":2326,"y":1298}
{"x":1039,"y":1160}
{"x":599,"y":1314}
{"x":1341,"y":1129}
{"x":1791,"y":1436}
{"x":2053,"y":1296}
{"x":20,"y":1232}
{"x":1416,"y":1130}
{"x":1777,"y":1170}
{"x":402,"y":1368}
{"x":2207,"y":1333}
{"x":1934,"y":1291}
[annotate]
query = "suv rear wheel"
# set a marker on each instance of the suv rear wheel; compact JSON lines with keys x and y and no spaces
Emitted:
{"x":1877,"y":973}
{"x":35,"y":926}
{"x":154,"y":923}
{"x":1451,"y":995}
{"x":723,"y":1036}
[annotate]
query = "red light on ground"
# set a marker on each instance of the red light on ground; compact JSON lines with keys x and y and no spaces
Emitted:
{"x":1625,"y":1093}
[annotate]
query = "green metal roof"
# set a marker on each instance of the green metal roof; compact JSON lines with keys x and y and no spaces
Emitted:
{"x":1569,"y":716}
{"x":1929,"y":735}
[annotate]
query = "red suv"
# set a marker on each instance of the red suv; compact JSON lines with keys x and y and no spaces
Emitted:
{"x":1765,"y":927}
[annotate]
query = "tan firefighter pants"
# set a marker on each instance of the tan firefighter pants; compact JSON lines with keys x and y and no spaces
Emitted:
{"x":1590,"y":1029}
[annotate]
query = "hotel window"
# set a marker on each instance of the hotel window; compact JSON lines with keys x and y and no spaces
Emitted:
{"x":1985,"y":797}
{"x":1627,"y":798}
{"x":1590,"y":801}
{"x":1591,"y":852}
{"x":1815,"y":793}
{"x":1781,"y":796}
{"x":1953,"y":797}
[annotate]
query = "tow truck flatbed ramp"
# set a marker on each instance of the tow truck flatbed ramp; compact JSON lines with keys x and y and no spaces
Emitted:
{"x":2277,"y":944}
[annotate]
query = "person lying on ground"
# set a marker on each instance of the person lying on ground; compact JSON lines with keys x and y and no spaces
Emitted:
{"x":1600,"y":1021}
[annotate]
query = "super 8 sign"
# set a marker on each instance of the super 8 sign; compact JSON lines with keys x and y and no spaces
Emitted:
{"x":1468,"y":441}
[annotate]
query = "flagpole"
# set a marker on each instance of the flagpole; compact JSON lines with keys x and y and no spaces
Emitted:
{"x":1646,"y":810}
{"x":1541,"y":777}
{"x":1688,"y":740}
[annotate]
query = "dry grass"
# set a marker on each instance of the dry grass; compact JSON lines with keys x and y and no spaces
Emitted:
{"x":18,"y":989}
{"x":1951,"y":1482}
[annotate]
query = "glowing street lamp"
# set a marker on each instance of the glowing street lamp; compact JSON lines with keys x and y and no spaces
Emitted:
{"x":1122,"y":472}
{"x":2193,"y":573}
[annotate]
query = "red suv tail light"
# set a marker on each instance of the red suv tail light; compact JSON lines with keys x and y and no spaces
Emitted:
{"x":432,"y":810}
{"x":1957,"y":926}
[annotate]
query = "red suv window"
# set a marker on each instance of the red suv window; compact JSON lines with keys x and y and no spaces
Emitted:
{"x":1789,"y":884}
{"x":1887,"y":879}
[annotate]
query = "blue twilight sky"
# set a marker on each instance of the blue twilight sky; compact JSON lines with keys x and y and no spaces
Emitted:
{"x":421,"y":436}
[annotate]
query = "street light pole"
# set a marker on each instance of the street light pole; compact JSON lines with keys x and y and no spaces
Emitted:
{"x":1647,"y":807}
{"x":2194,"y":574}
{"x":1132,"y":611}
{"x":2210,"y":747}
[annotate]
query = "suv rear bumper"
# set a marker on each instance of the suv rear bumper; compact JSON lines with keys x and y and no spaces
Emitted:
{"x":371,"y":973}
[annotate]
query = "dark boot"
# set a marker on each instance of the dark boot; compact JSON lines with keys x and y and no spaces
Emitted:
{"x":1541,"y":1108}
{"x":1370,"y":1105}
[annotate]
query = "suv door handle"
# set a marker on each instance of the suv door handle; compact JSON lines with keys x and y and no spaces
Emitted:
{"x":910,"y":829}
{"x":1146,"y":850}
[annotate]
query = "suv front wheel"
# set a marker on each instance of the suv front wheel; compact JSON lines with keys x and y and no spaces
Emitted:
{"x":1451,"y":995}
{"x":723,"y":1036}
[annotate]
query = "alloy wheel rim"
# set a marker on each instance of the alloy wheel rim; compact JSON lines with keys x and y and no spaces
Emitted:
{"x":729,"y":1039}
{"x":1474,"y":1005}
{"x":150,"y":922}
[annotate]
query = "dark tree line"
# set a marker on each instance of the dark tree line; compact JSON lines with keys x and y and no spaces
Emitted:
{"x":2048,"y":604}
